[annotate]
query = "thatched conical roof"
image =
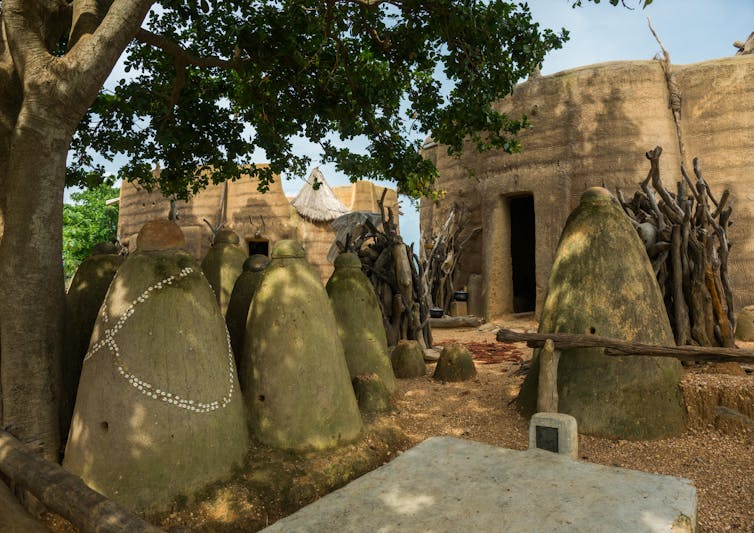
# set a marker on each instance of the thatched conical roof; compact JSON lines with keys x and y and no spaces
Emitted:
{"x":320,"y":204}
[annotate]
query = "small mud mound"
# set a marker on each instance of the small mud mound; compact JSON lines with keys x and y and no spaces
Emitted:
{"x":487,"y":353}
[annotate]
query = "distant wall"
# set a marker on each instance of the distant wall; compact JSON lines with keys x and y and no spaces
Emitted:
{"x":591,"y":126}
{"x":256,"y":217}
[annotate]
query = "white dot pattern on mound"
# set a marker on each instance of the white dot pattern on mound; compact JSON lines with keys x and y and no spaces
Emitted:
{"x":145,"y":387}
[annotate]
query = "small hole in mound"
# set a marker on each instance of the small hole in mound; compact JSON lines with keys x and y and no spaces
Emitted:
{"x":104,"y":426}
{"x":261,"y":397}
{"x":592,"y":331}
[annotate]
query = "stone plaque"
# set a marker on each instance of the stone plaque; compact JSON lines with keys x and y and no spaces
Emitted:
{"x":547,"y":438}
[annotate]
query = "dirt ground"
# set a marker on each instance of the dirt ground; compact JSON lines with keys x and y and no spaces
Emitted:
{"x":719,"y":461}
{"x":716,"y":454}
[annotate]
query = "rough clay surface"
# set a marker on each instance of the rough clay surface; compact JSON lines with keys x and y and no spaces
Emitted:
{"x":408,"y":360}
{"x":602,"y":282}
{"x":448,"y":484}
{"x":745,"y":324}
{"x":359,"y":319}
{"x":238,"y":307}
{"x":591,"y":126}
{"x":222,"y":265}
{"x":371,"y":393}
{"x":160,"y":235}
{"x":454,"y":364}
{"x":143,"y":446}
{"x":299,"y":394}
{"x":83,"y":301}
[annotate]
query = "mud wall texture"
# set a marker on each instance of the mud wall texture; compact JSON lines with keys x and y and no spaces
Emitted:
{"x":256,"y":217}
{"x":591,"y":126}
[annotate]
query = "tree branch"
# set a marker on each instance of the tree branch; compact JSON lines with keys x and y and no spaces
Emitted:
{"x":92,"y":58}
{"x":182,"y":56}
{"x":86,"y":17}
{"x":22,"y":24}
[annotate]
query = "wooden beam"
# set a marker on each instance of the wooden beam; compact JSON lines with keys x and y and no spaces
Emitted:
{"x":615,"y":347}
{"x":64,"y":493}
{"x":468,"y":321}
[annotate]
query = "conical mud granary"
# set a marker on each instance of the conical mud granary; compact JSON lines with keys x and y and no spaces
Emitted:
{"x":223,"y":264}
{"x":359,"y":319}
{"x":299,"y":392}
{"x":238,"y":307}
{"x":158,"y":413}
{"x":602,"y":283}
{"x":83,"y":301}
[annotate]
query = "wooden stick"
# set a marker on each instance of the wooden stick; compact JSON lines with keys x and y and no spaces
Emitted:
{"x":547,"y":390}
{"x":568,"y":341}
{"x":63,"y":493}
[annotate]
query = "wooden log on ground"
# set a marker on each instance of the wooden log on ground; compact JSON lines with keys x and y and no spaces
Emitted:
{"x":13,"y":517}
{"x":468,"y":321}
{"x":63,"y":493}
{"x":615,"y":347}
{"x":547,"y":391}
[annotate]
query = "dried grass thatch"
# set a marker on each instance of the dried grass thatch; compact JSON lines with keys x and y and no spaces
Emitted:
{"x":320,"y":204}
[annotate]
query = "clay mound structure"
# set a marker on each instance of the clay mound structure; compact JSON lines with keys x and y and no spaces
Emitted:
{"x":222,"y":265}
{"x":359,"y":320}
{"x":83,"y":300}
{"x":745,"y":324}
{"x":371,"y":393}
{"x":408,"y":360}
{"x":158,"y":413}
{"x":299,"y":390}
{"x":238,"y":306}
{"x":454,"y":364}
{"x":602,"y":283}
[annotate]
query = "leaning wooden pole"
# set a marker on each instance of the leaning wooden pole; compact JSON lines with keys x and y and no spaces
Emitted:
{"x":615,"y":347}
{"x":64,"y":493}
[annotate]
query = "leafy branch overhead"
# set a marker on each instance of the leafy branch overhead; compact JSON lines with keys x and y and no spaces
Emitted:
{"x":213,"y":81}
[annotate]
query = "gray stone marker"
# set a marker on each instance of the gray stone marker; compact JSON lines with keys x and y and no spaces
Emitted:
{"x":448,"y":484}
{"x":554,"y":432}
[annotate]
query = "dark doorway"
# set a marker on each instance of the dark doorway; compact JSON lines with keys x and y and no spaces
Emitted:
{"x":261,"y":247}
{"x":522,"y":253}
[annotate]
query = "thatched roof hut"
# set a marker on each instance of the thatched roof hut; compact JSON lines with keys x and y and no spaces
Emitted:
{"x":316,"y":200}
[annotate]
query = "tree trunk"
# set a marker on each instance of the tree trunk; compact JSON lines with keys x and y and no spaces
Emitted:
{"x":31,"y":281}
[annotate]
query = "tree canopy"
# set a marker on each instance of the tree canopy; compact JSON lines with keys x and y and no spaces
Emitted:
{"x":213,"y":81}
{"x":87,"y":222}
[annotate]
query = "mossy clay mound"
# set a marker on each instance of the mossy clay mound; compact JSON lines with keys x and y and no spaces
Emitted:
{"x":238,"y":306}
{"x":359,"y":320}
{"x":222,"y":265}
{"x":408,"y":360}
{"x":454,"y":364}
{"x":158,"y":414}
{"x":745,"y":324}
{"x":371,"y":393}
{"x":83,"y":300}
{"x":299,"y":395}
{"x":602,"y":283}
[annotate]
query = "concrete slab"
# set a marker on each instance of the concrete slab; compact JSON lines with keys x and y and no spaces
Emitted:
{"x":447,"y":484}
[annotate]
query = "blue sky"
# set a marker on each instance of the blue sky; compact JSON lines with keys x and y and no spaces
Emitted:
{"x":691,"y":30}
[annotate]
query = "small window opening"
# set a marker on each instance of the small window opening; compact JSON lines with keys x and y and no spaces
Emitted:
{"x":261,"y":247}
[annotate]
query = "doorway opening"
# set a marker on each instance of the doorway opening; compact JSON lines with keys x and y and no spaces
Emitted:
{"x":259,"y":246}
{"x":521,"y":209}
